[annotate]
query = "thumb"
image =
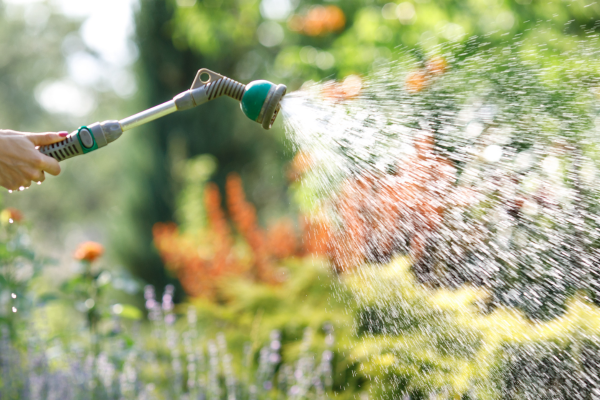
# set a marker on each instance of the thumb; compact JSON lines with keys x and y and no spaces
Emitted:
{"x":44,"y":139}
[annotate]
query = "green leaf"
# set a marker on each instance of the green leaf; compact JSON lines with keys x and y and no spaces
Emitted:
{"x":130,"y":312}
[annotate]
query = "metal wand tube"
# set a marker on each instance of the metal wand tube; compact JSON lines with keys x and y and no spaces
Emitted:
{"x":149,"y":115}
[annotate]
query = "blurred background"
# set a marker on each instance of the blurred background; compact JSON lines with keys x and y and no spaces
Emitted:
{"x":68,"y":63}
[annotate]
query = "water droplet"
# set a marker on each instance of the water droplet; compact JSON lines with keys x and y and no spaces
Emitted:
{"x":10,"y":221}
{"x":39,"y":183}
{"x":14,"y":309}
{"x":10,"y":191}
{"x":509,"y":212}
{"x":492,"y":153}
{"x":22,"y":188}
{"x":551,"y":164}
{"x":13,"y":295}
{"x":530,"y":208}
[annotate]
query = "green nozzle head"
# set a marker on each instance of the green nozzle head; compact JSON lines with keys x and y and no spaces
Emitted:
{"x":261,"y":102}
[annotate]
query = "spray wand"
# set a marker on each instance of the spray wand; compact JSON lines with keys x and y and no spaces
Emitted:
{"x":260,"y":101}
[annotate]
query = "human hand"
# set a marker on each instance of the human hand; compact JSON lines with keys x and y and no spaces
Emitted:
{"x":21,"y":162}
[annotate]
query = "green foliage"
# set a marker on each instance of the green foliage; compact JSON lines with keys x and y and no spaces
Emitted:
{"x":550,"y":369}
{"x":190,"y":210}
{"x":372,"y":31}
{"x":309,"y":298}
{"x":89,"y":292}
{"x":268,"y":340}
{"x":452,"y":347}
{"x":18,"y":265}
{"x":392,"y":336}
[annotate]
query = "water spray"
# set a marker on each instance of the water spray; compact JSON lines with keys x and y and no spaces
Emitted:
{"x":259,"y":100}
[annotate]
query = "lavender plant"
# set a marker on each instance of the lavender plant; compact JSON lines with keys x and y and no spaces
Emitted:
{"x":111,"y":358}
{"x":167,"y":362}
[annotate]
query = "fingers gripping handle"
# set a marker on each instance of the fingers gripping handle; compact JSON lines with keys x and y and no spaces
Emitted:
{"x":84,"y":140}
{"x":68,"y":148}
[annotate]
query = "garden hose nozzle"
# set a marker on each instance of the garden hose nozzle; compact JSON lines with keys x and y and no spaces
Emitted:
{"x":260,"y":101}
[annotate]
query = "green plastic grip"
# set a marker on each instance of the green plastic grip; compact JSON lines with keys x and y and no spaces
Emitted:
{"x":86,"y":140}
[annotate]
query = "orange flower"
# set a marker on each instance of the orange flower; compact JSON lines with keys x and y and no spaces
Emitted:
{"x":352,"y":86}
{"x":244,"y":217}
{"x":348,"y":89}
{"x":220,"y":228}
{"x":281,"y":239}
{"x":316,"y":237}
{"x":335,"y":20}
{"x":199,"y":276}
{"x":416,"y":81}
{"x":299,"y":166}
{"x":314,"y":23}
{"x":437,"y":65}
{"x":89,"y":251}
{"x":319,"y":21}
{"x":407,"y":207}
{"x":331,"y":91}
{"x":11,"y":215}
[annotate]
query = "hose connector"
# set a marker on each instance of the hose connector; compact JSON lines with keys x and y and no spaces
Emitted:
{"x":260,"y":100}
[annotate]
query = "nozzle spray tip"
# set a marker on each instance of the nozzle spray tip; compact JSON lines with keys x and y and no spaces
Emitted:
{"x":261,"y":102}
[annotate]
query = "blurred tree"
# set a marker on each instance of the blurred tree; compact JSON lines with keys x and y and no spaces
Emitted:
{"x":219,"y":128}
